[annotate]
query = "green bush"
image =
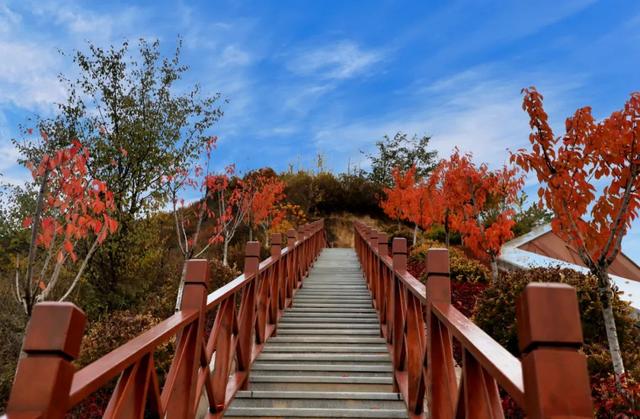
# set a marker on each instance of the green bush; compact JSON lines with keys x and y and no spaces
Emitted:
{"x":437,"y":233}
{"x":495,"y":313}
{"x":462,"y":268}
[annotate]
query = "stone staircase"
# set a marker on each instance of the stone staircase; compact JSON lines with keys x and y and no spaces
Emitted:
{"x":328,"y":359}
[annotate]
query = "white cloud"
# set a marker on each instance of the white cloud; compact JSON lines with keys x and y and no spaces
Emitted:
{"x":342,"y":60}
{"x":28,"y":75}
{"x":475,"y":110}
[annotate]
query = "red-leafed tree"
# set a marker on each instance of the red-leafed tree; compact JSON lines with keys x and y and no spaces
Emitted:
{"x":193,"y":239}
{"x":476,"y":202}
{"x":262,"y":192}
{"x":70,"y":220}
{"x":590,"y":179}
{"x":408,"y":200}
{"x":265,"y":210}
{"x":444,"y":190}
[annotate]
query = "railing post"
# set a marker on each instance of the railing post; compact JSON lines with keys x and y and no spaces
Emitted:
{"x":183,"y":401}
{"x":441,"y":380}
{"x":399,"y":249}
{"x":248,"y":311}
{"x":556,"y":382}
{"x":43,"y":377}
{"x":278,"y":291}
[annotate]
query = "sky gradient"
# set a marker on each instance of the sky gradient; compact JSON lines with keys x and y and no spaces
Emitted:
{"x":309,"y":77}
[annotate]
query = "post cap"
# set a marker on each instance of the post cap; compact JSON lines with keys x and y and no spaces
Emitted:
{"x":548,"y":315}
{"x":276,"y":239}
{"x":252,"y":249}
{"x":55,"y":327}
{"x":197,"y":272}
{"x":399,"y":246}
{"x":438,"y":261}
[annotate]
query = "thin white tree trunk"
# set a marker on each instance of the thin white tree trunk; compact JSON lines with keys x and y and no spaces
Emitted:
{"x":612,"y":338}
{"x":610,"y":324}
{"x":494,"y":268}
{"x":225,"y":252}
{"x":415,"y":234}
{"x":181,"y":286}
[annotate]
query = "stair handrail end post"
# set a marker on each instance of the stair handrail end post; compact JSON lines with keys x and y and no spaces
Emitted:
{"x":549,"y":338}
{"x":52,"y":341}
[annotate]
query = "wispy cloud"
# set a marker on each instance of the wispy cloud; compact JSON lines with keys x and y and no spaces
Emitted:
{"x":475,"y":110}
{"x":342,"y":60}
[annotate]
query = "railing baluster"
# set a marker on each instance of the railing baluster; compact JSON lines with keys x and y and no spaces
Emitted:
{"x":481,"y":396}
{"x":556,"y":382}
{"x":223,"y":329}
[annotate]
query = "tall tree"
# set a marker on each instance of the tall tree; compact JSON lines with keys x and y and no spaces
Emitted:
{"x":401,"y":152}
{"x":139,"y":121}
{"x":590,"y":179}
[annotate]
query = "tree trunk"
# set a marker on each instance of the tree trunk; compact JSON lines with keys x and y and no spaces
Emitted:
{"x":415,"y":234}
{"x":181,"y":286}
{"x":225,"y":252}
{"x":604,"y":293}
{"x":494,"y":268}
{"x":250,"y":233}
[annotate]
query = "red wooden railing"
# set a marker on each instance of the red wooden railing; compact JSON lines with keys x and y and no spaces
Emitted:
{"x":247,"y":313}
{"x":419,"y":324}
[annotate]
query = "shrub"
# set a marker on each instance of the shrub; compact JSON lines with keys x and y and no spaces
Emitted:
{"x":437,"y":233}
{"x":462,"y":268}
{"x":495,"y":313}
{"x":611,"y":402}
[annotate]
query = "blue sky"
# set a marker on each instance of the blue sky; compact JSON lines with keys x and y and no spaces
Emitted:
{"x":308,"y":77}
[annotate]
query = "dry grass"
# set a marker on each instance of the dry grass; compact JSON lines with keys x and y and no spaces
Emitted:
{"x":340,"y":228}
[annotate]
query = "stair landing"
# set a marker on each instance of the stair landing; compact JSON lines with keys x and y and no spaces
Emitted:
{"x":328,"y":359}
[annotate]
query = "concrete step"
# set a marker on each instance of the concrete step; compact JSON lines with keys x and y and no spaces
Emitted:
{"x":315,"y":319}
{"x":329,"y":315}
{"x":320,"y":383}
{"x":317,"y":370}
{"x":327,"y":339}
{"x":318,"y":400}
{"x":332,"y":305}
{"x":340,"y":309}
{"x":294,"y":413}
{"x":328,"y":332}
{"x":296,"y":357}
{"x":327,"y":325}
{"x":329,"y":348}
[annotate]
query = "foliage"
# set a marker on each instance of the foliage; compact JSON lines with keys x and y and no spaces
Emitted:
{"x":568,"y":167}
{"x":402,"y":153}
{"x":326,"y":193}
{"x":72,"y":212}
{"x":526,"y":219}
{"x":462,"y":268}
{"x":408,"y":199}
{"x":12,"y":324}
{"x":478,"y":202}
{"x":138,"y":127}
{"x":619,"y":401}
{"x":495,"y":314}
{"x":103,"y":336}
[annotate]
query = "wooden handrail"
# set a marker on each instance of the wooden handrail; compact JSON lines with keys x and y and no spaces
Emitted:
{"x":248,"y":310}
{"x":419,"y":324}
